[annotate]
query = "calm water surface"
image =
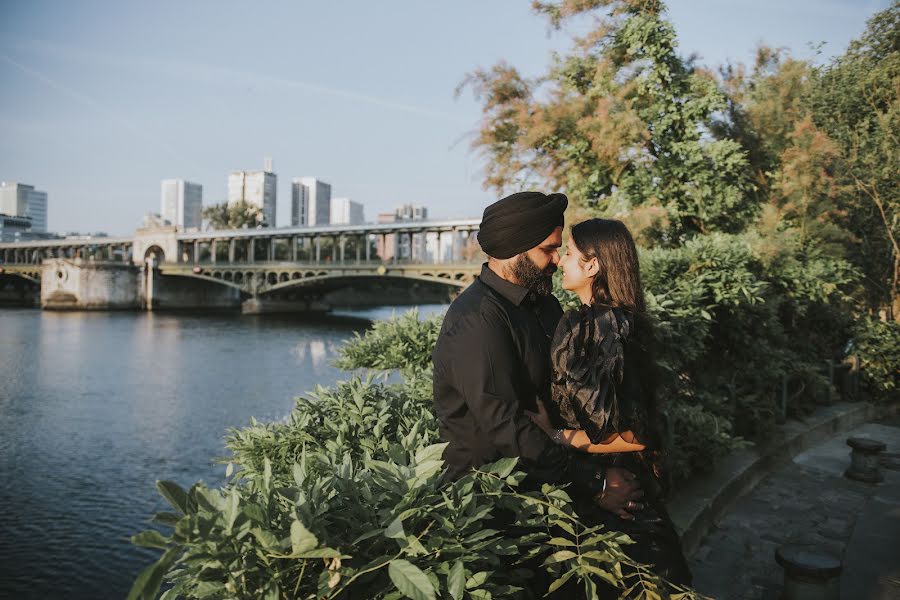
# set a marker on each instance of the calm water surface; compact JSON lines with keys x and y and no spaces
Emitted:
{"x":95,"y":407}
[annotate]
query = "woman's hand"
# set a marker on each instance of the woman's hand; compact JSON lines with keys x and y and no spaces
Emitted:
{"x":541,"y":418}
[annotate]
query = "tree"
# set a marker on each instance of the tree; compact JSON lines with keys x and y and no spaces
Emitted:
{"x":857,"y":102}
{"x":234,"y":215}
{"x":621,"y":124}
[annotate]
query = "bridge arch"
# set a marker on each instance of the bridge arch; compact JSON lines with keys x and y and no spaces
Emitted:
{"x":155,"y":253}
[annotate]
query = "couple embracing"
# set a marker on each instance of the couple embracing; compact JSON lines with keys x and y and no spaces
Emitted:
{"x":571,"y":395}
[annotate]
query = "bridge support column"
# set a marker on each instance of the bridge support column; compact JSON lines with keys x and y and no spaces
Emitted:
{"x":318,"y":250}
{"x":272,"y":249}
{"x":212,"y":251}
{"x":231,"y":243}
{"x":149,"y":276}
{"x":358,"y":249}
{"x":342,"y":243}
{"x":196,"y":251}
{"x":366,"y":242}
{"x":294,"y":248}
{"x":251,"y":250}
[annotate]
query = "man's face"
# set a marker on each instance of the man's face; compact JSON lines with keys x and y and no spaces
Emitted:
{"x":534,"y":269}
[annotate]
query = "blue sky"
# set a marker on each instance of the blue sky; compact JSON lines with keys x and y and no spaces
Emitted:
{"x":102,"y":100}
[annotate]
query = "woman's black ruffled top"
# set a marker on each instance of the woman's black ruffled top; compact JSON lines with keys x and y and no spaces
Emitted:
{"x":596,"y":383}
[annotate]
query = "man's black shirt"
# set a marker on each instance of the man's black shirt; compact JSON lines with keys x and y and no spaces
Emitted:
{"x":491,"y":362}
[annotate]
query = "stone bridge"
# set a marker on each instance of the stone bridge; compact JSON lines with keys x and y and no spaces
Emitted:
{"x":265,"y":270}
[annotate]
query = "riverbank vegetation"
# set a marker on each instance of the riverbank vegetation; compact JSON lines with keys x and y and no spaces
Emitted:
{"x":764,"y":201}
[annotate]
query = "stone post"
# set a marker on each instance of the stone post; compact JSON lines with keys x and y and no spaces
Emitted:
{"x":808,"y":573}
{"x":864,"y":460}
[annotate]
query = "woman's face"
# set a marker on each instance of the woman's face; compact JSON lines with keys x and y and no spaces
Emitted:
{"x":577,"y":273}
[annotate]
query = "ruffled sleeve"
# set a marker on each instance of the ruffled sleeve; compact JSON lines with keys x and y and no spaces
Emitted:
{"x":588,"y":360}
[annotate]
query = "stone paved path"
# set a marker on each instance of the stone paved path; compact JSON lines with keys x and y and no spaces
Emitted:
{"x":806,"y":501}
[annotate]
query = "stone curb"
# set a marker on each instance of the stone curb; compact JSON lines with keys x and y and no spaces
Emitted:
{"x":706,"y":498}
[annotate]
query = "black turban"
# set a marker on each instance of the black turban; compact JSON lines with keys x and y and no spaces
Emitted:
{"x":520,"y":222}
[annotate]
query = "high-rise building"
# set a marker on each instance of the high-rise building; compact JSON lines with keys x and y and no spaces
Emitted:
{"x":345,"y":211}
{"x":312,"y":206}
{"x":411,"y":212}
{"x":181,"y":203}
{"x":403,"y":247}
{"x":18,"y":199}
{"x":299,"y":203}
{"x":255,"y":187}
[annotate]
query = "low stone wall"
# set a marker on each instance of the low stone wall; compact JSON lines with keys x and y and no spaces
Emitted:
{"x":705,"y":498}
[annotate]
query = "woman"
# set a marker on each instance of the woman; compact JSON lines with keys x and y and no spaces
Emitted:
{"x":603,"y":390}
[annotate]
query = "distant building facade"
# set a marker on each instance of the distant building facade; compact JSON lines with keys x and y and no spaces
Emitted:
{"x":310,"y":202}
{"x":20,"y":200}
{"x":401,"y":246}
{"x":255,"y":187}
{"x":181,"y":203}
{"x":13,"y":228}
{"x":345,"y":211}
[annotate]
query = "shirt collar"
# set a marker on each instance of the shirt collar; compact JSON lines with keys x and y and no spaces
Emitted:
{"x":509,"y":290}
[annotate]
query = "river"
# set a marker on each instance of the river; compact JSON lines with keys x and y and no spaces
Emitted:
{"x":95,"y":407}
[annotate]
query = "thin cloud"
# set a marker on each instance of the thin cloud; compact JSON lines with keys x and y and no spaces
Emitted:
{"x":93,"y":104}
{"x":225,"y":76}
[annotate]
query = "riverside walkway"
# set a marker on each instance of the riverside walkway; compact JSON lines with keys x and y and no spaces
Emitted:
{"x":807,"y":500}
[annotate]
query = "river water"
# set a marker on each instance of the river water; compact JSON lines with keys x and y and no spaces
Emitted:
{"x":95,"y":407}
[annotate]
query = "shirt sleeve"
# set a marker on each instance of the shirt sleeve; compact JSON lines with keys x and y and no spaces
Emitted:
{"x":486,"y":362}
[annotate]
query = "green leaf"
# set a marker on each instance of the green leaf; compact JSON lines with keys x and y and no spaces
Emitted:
{"x":432,"y":452}
{"x":302,"y":538}
{"x":146,"y":586}
{"x":560,"y":582}
{"x":410,"y":580}
{"x":456,"y":580}
{"x":560,"y":556}
{"x":395,"y":530}
{"x":231,"y":509}
{"x":150,"y":539}
{"x":173,"y":494}
{"x":558,"y":541}
{"x":266,"y":538}
{"x":476,"y":580}
{"x":502,"y":467}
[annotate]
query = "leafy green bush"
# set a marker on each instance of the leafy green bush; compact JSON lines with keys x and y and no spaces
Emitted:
{"x":403,"y":343}
{"x":345,"y":500}
{"x":877,"y":343}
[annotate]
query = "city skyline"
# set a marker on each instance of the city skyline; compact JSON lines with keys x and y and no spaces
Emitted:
{"x":94,"y":97}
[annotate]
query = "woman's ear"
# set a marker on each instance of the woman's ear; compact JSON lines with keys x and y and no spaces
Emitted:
{"x":592,"y":267}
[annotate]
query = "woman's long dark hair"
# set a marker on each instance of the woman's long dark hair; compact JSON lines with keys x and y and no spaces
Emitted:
{"x":618,"y":284}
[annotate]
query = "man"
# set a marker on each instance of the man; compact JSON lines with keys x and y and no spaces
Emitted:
{"x":492,"y":357}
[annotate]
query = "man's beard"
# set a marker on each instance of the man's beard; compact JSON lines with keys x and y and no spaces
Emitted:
{"x":530,"y":276}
